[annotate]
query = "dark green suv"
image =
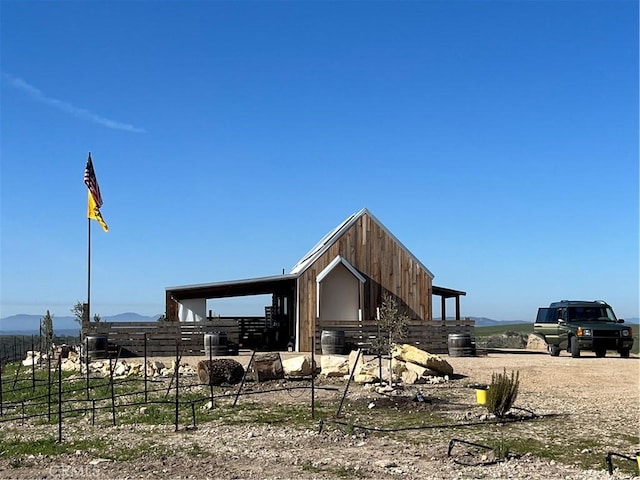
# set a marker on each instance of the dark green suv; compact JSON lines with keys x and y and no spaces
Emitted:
{"x":575,"y":325}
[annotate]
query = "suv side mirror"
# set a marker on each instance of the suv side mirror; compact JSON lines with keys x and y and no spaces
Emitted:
{"x":621,"y":320}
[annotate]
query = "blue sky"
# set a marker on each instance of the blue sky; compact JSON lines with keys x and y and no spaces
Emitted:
{"x":497,"y":140}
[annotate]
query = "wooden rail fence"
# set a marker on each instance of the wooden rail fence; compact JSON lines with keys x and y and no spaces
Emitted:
{"x":431,"y":336}
{"x":249,"y":332}
{"x":161,"y":337}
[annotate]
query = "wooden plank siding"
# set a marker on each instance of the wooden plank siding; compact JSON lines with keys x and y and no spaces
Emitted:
{"x":430,"y":336}
{"x":386,"y":264}
{"x":162,"y":336}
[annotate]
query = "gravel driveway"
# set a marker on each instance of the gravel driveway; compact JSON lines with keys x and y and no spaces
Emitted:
{"x":593,"y":398}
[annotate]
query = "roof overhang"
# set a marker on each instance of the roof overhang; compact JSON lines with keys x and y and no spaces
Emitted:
{"x":335,"y":262}
{"x":447,"y":292}
{"x":235,"y":288}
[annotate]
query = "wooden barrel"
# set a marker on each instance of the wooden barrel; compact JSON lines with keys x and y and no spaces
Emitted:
{"x":332,"y":342}
{"x":460,"y":345}
{"x":216,"y":343}
{"x":97,"y":346}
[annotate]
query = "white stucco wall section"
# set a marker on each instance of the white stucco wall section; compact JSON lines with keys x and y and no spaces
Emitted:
{"x":192,"y":310}
{"x":339,"y":291}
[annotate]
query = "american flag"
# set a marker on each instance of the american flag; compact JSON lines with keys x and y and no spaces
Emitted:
{"x":91,"y":182}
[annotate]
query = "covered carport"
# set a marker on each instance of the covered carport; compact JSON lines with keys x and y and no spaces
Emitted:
{"x":444,"y":294}
{"x":280,"y":318}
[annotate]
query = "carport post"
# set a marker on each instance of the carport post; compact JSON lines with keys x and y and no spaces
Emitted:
{"x":313,"y":376}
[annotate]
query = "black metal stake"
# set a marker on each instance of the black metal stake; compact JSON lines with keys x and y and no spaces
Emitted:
{"x":346,"y":388}
{"x":177,"y":375}
{"x":86,"y":354}
{"x":60,"y":399}
{"x":244,"y":376}
{"x":209,"y":374}
{"x":313,"y":376}
{"x":93,"y":412}
{"x":15,"y":379}
{"x":49,"y":388}
{"x":193,"y":416}
{"x":0,"y":386}
{"x":146,"y":398}
{"x":113,"y":397}
{"x":33,"y":366}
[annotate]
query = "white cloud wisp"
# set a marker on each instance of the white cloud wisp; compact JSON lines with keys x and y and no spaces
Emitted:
{"x":82,"y":113}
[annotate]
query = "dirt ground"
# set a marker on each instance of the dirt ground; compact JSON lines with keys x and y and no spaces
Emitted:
{"x":593,"y":398}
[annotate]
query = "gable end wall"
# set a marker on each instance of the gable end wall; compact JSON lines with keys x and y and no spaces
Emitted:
{"x":385,"y":263}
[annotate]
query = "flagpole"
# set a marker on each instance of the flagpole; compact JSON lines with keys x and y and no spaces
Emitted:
{"x":88,"y":269}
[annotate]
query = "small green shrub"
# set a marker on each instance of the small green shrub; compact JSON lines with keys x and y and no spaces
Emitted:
{"x":502,"y":392}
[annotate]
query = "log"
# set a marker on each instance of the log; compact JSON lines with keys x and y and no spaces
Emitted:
{"x":220,"y":371}
{"x":267,"y":366}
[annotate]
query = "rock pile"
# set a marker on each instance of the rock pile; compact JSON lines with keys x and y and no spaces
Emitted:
{"x":409,"y":364}
{"x":122,"y":368}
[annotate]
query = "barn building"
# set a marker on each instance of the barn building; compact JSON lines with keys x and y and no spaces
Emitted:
{"x":338,"y":285}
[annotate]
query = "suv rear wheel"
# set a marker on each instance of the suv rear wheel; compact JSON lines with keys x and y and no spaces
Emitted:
{"x":601,"y":352}
{"x":574,"y":347}
{"x":554,"y":350}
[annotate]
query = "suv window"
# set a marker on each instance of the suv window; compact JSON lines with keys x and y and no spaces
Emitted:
{"x":591,"y":312}
{"x":547,"y":315}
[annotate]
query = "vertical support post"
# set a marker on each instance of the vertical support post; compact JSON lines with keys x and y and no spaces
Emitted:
{"x":209,"y":373}
{"x":86,"y":312}
{"x":177,"y":375}
{"x":40,"y":343}
{"x":146,"y":398}
{"x":86,"y":354}
{"x":33,"y":366}
{"x":379,"y":342}
{"x":93,"y":412}
{"x":313,"y":378}
{"x":113,"y":396}
{"x":60,"y":399}
{"x":49,"y":387}
{"x":0,"y":385}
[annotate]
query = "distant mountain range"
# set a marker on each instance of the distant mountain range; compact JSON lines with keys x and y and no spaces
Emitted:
{"x":23,"y":324}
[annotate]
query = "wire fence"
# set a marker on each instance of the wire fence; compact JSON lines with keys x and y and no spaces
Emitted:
{"x":34,"y":390}
{"x":15,"y":347}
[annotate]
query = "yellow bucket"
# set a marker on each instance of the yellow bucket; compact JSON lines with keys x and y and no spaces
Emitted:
{"x":638,"y":459}
{"x":481,"y":396}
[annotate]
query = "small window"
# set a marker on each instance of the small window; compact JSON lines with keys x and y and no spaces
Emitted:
{"x":547,"y":315}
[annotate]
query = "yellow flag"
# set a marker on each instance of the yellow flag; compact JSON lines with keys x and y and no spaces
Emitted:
{"x":94,"y":212}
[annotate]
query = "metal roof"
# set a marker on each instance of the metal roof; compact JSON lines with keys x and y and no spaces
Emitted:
{"x":447,"y":292}
{"x":328,"y":240}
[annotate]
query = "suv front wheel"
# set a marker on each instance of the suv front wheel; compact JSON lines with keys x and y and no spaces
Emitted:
{"x":624,"y":353}
{"x":574,"y":347}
